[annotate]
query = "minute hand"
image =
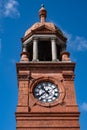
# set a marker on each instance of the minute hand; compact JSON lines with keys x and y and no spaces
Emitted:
{"x":46,"y":91}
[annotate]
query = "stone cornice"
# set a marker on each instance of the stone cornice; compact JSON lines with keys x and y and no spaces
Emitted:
{"x":47,"y":65}
{"x":42,"y":37}
{"x":54,"y":114}
{"x":44,"y":34}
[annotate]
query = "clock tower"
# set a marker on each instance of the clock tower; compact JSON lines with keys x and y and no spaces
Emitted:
{"x":45,"y":73}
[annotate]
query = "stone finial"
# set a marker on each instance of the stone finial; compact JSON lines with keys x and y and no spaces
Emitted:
{"x":65,"y":56}
{"x":24,"y":57}
{"x":42,"y":14}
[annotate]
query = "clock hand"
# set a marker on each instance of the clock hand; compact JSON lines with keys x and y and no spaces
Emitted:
{"x":45,"y":90}
{"x":42,"y":94}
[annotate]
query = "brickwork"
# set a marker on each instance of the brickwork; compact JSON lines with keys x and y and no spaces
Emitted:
{"x":33,"y":115}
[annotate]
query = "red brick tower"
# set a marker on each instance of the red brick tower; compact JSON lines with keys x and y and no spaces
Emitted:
{"x":46,"y":95}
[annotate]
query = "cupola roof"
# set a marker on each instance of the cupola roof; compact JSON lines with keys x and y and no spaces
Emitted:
{"x":43,"y":24}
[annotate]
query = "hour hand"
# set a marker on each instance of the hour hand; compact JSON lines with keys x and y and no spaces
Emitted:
{"x":42,"y":94}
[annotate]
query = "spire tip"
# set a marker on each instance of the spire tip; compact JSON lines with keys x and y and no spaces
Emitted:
{"x":42,"y":5}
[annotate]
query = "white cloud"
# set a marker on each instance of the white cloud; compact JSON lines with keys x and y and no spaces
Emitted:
{"x":83,"y":107}
{"x":81,"y":43}
{"x":9,"y":8}
{"x":76,"y":43}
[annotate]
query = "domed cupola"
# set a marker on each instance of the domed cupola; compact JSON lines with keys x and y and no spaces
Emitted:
{"x":44,"y":41}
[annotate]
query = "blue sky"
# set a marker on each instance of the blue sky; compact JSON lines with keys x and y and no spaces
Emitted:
{"x":16,"y":16}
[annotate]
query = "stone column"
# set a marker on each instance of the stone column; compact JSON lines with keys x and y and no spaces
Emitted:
{"x":24,"y":48}
{"x":54,"y":49}
{"x":35,"y":49}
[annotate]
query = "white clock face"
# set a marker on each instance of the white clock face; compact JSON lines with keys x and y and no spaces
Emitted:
{"x":46,"y":92}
